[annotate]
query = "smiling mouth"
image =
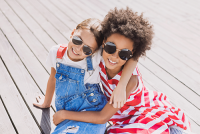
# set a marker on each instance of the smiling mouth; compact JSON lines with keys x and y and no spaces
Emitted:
{"x":112,"y":62}
{"x":74,"y":52}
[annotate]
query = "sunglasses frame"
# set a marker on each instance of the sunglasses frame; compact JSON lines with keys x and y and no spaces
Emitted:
{"x":119,"y":50}
{"x":84,"y":46}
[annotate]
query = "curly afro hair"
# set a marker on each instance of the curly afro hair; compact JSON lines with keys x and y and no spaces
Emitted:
{"x":131,"y":25}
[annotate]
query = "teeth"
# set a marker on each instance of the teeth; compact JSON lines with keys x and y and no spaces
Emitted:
{"x":74,"y":51}
{"x":112,"y":61}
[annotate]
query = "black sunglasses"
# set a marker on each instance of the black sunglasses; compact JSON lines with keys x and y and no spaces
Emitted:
{"x":78,"y":41}
{"x":110,"y":48}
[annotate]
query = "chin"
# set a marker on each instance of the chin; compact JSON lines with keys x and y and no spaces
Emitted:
{"x":108,"y":66}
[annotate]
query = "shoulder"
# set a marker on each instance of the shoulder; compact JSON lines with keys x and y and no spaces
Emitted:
{"x":55,"y":48}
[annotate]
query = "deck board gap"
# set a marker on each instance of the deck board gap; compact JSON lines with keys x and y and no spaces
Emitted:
{"x":22,"y":95}
{"x":8,"y":112}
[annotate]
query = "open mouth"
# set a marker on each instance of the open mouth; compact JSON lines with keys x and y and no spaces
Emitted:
{"x":112,"y":62}
{"x":74,"y":52}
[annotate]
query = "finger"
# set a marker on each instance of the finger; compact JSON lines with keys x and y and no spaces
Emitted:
{"x":115,"y":105}
{"x":119,"y":105}
{"x":122,"y":104}
{"x":36,"y":104}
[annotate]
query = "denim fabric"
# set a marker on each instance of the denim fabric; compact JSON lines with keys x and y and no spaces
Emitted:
{"x":89,"y":63}
{"x":73,"y":95}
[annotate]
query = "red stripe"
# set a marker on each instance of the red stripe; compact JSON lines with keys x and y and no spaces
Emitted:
{"x":61,"y":51}
{"x":135,"y":99}
{"x":113,"y":81}
{"x":154,"y":99}
{"x":158,"y":125}
{"x":146,"y":98}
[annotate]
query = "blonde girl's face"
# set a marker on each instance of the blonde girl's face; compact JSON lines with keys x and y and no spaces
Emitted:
{"x":112,"y":61}
{"x":74,"y":51}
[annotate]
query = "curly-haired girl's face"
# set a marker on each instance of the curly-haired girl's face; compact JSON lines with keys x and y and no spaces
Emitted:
{"x":112,"y":61}
{"x":81,"y":41}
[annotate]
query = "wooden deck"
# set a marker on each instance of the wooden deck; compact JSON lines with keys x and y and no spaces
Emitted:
{"x":29,"y":28}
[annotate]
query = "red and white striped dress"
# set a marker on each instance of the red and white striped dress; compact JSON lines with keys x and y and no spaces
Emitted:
{"x":145,"y":111}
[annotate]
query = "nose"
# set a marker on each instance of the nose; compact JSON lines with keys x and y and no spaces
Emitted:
{"x":115,"y":54}
{"x":78,"y":47}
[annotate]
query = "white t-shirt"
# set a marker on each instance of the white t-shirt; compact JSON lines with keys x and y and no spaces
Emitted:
{"x":90,"y":76}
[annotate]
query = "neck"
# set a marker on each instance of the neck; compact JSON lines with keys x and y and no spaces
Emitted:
{"x":111,"y":72}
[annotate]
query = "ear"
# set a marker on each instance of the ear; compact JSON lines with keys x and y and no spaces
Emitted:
{"x":72,"y":33}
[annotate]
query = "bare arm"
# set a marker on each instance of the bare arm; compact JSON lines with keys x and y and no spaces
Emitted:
{"x":45,"y":102}
{"x":97,"y":117}
{"x":118,"y":95}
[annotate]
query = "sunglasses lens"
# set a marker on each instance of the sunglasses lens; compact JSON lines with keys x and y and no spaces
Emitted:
{"x":77,"y":41}
{"x":125,"y":54}
{"x":110,"y":47}
{"x":87,"y":50}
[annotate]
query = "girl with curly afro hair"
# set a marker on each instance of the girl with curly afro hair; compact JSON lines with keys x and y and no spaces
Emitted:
{"x":127,"y":36}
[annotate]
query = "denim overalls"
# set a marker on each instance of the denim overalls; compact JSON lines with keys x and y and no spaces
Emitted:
{"x":73,"y":95}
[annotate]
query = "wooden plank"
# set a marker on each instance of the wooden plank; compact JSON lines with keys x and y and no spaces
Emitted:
{"x":95,"y":8}
{"x":59,"y":14}
{"x":171,"y":31}
{"x":62,"y":27}
{"x":6,"y":126}
{"x":180,"y":10}
{"x":183,"y":67}
{"x":25,"y":11}
{"x":86,"y":10}
{"x":68,"y":9}
{"x":176,"y":31}
{"x":175,"y":44}
{"x":177,"y":74}
{"x":176,"y":54}
{"x":173,"y":82}
{"x":17,"y":109}
{"x":29,"y":40}
{"x":37,"y":70}
{"x":39,"y":36}
{"x":25,"y":84}
{"x":192,"y":3}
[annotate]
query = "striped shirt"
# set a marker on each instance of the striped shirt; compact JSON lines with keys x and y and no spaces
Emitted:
{"x":145,"y":111}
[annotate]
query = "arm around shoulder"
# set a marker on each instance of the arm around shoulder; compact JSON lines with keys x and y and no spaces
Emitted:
{"x":96,"y":117}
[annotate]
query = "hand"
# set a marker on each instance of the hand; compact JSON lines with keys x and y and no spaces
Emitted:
{"x":118,"y":97}
{"x":40,"y":102}
{"x":57,"y":117}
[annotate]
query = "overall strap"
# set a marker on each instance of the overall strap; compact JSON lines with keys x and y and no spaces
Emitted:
{"x":89,"y":63}
{"x":61,"y":51}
